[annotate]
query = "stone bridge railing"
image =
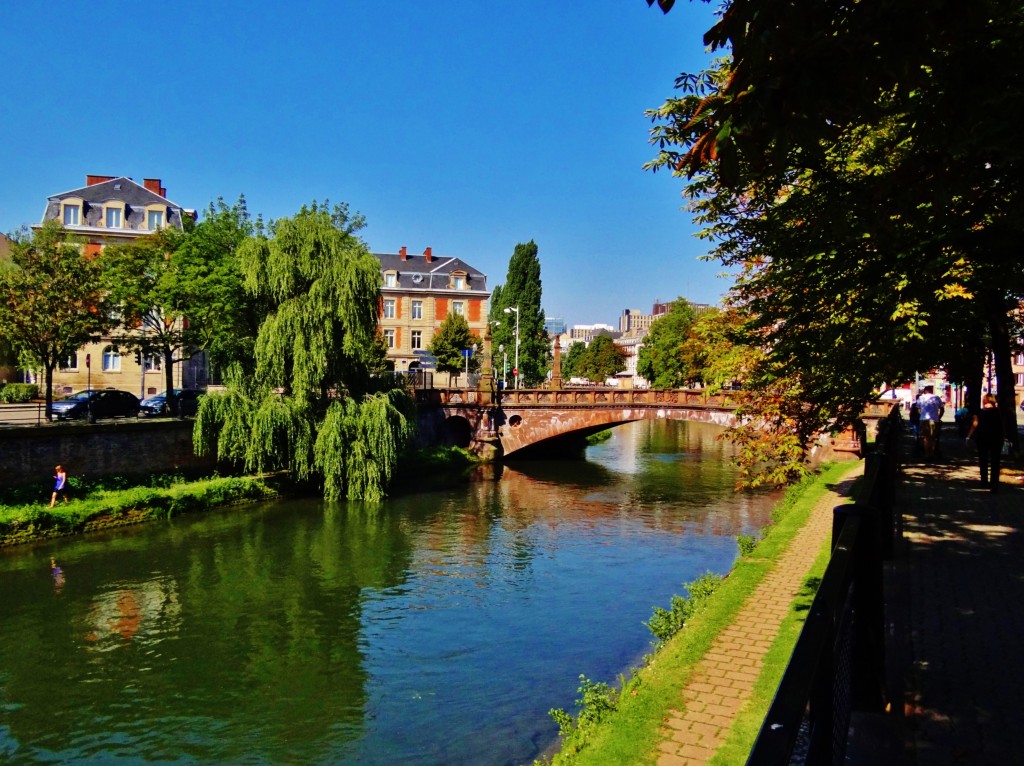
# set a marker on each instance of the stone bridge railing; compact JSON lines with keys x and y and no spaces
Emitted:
{"x":580,"y":397}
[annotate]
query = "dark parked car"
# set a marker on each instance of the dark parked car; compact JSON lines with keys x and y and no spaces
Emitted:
{"x":96,"y":404}
{"x":188,"y":403}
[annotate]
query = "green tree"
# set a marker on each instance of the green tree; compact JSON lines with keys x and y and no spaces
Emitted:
{"x":309,"y":407}
{"x":451,"y":339}
{"x":601,"y":360}
{"x":571,"y":360}
{"x":870,"y":238}
{"x":717,"y":351}
{"x":51,"y":301}
{"x":522,"y":291}
{"x":179,"y":292}
{"x":660,"y":358}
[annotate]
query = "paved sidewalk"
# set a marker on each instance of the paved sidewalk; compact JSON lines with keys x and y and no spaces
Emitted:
{"x":955,"y":613}
{"x":725,"y":678}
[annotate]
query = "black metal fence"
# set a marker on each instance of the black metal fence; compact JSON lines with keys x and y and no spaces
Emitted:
{"x":838,"y":664}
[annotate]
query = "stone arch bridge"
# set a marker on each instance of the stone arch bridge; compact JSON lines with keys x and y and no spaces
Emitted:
{"x":504,"y":423}
{"x":499,"y":424}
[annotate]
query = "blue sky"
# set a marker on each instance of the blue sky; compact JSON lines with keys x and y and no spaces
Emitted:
{"x":463,"y":125}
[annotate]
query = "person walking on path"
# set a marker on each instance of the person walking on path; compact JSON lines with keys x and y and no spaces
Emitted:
{"x":987,"y":432}
{"x":60,"y":483}
{"x":931,"y":407}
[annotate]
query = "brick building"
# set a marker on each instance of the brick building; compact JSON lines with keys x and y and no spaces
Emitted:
{"x":418,"y":292}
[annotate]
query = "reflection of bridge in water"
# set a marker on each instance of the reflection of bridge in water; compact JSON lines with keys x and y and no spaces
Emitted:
{"x":503,"y":423}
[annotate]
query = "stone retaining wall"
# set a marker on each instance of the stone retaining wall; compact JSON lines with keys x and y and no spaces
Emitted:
{"x":122,"y":447}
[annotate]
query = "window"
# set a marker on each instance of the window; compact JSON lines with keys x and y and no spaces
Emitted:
{"x":71,"y":213}
{"x":389,"y":308}
{"x":151,"y":363}
{"x":459,"y":283}
{"x":417,"y":309}
{"x":1019,"y":379}
{"x":1018,"y":358}
{"x":390,"y":280}
{"x":113,"y":218}
{"x":155,"y":219}
{"x":111,"y":360}
{"x":459,"y":307}
{"x":417,"y":339}
{"x":71,"y":363}
{"x":389,"y":338}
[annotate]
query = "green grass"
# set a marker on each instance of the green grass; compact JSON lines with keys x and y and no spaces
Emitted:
{"x":631,"y":733}
{"x":161,"y":497}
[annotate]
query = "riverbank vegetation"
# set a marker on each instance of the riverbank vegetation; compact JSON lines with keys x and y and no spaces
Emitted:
{"x":25,"y":514}
{"x":623,"y":723}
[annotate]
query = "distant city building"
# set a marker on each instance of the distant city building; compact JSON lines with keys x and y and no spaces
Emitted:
{"x":586,"y":332}
{"x":419,"y":292}
{"x":554,"y":326}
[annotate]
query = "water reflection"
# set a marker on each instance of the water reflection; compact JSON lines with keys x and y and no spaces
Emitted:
{"x":437,"y":629}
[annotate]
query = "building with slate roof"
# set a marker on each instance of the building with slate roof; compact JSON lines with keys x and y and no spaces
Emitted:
{"x":112,"y":210}
{"x":418,"y":292}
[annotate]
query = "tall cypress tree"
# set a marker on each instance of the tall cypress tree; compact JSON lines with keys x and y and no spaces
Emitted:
{"x":522,"y":290}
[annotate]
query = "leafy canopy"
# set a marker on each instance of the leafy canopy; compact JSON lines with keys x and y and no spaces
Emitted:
{"x":309,"y":407}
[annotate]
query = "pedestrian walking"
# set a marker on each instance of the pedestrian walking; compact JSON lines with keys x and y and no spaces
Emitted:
{"x":987,"y":432}
{"x":931,"y":407}
{"x":60,"y":483}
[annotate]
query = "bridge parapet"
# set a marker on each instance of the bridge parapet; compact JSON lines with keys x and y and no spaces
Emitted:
{"x":584,"y":397}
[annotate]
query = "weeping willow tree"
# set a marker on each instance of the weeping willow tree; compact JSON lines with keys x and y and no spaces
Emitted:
{"x":310,"y":408}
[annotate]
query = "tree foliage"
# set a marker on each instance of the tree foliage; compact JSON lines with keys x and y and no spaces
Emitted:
{"x":660,"y":358}
{"x":522,"y":290}
{"x":600,"y":360}
{"x":51,"y":300}
{"x":451,"y":339}
{"x":847,"y":163}
{"x":309,"y":407}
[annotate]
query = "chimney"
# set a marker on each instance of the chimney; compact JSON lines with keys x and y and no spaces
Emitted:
{"x":403,"y":253}
{"x":153,"y":185}
{"x":93,"y":180}
{"x":428,"y":255}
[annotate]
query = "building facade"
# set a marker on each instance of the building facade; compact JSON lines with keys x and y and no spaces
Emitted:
{"x":418,"y":292}
{"x":114,"y":210}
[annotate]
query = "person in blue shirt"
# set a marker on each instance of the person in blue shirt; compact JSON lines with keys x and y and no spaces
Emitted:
{"x":60,"y":483}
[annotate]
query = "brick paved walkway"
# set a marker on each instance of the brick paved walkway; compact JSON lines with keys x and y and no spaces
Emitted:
{"x":725,"y":678}
{"x":957,"y":614}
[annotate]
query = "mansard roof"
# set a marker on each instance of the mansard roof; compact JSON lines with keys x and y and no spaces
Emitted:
{"x":420,"y":272}
{"x":135,"y":197}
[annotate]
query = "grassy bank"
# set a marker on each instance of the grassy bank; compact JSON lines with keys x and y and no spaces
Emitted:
{"x":119,"y":501}
{"x":627,"y":730}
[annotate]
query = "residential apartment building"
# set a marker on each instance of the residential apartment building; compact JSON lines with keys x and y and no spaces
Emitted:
{"x":114,"y":210}
{"x":418,"y":292}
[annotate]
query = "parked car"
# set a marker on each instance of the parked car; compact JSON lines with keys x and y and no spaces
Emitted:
{"x":96,"y":404}
{"x":188,"y":403}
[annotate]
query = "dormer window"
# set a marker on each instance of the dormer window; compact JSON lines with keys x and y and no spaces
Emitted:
{"x":459,"y":282}
{"x":155,"y":220}
{"x":390,"y":279}
{"x":113,"y":217}
{"x":72,"y":215}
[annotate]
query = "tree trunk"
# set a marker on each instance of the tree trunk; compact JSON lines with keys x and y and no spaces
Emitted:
{"x":1002,"y":351}
{"x":48,"y":368}
{"x":171,"y":401}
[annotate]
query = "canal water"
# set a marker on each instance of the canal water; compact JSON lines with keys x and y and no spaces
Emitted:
{"x":438,"y":629}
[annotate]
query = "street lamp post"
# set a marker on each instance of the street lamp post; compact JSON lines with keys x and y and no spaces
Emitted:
{"x":509,"y":310}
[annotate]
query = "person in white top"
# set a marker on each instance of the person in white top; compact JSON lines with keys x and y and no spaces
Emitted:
{"x":931,"y":408}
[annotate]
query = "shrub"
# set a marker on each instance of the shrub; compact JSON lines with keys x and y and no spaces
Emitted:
{"x":747,"y":543}
{"x":19,"y":393}
{"x":665,"y":623}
